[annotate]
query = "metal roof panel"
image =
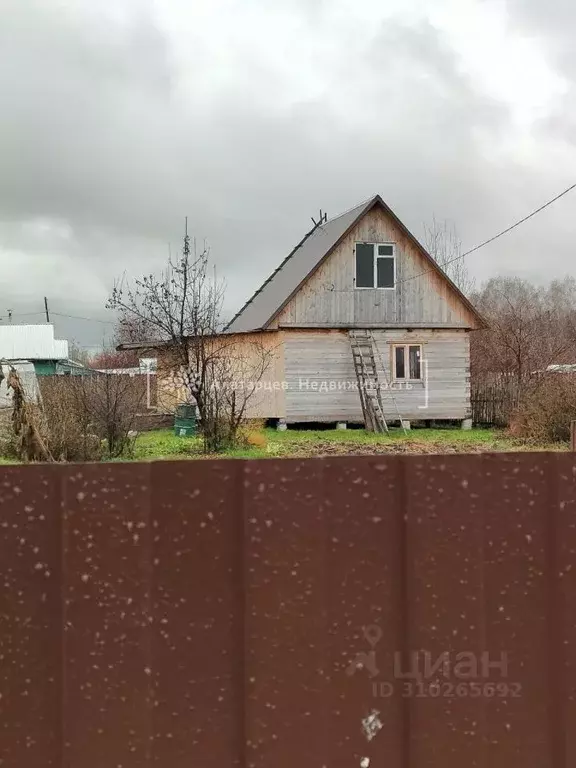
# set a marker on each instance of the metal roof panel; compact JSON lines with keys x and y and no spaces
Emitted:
{"x":264,"y":304}
{"x":31,"y":342}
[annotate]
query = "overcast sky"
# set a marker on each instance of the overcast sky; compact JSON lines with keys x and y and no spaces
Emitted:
{"x":120,"y":117}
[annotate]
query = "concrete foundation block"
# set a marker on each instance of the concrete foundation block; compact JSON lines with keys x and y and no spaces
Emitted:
{"x":467,"y":424}
{"x":406,"y":425}
{"x":341,"y":425}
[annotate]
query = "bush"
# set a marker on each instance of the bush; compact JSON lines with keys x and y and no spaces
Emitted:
{"x":88,"y":417}
{"x":546,"y":409}
{"x":250,"y":439}
{"x":251,"y":434}
{"x":66,"y":425}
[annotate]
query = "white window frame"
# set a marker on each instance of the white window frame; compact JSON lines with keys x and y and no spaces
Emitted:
{"x":376,"y":257}
{"x":406,"y":348}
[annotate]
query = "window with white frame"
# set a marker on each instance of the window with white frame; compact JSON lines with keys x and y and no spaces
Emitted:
{"x":407,"y":362}
{"x":375,"y":265}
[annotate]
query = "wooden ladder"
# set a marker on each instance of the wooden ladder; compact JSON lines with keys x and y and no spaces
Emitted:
{"x":363,"y":354}
{"x":362,"y":346}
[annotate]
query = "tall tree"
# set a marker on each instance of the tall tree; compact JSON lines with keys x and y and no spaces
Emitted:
{"x":76,"y":353}
{"x":529,"y":327}
{"x":444,"y":245}
{"x":179,"y":312}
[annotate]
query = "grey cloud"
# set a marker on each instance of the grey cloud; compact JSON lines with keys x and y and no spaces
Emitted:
{"x":552,"y":22}
{"x":553,"y":26}
{"x":74,"y":98}
{"x":108,"y":144}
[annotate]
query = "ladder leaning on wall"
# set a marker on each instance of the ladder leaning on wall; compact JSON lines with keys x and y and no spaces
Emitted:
{"x":363,"y":347}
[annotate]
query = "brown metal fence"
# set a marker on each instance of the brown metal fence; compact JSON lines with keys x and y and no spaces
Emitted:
{"x":266,"y":614}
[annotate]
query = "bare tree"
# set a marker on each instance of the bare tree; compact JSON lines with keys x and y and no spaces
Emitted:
{"x":179,"y":312}
{"x":529,"y":328}
{"x":108,"y":405}
{"x":443,"y":244}
{"x":237,"y":376}
{"x":76,"y":353}
{"x":89,"y":416}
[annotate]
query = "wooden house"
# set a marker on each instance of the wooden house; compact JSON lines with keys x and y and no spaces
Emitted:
{"x":364,"y":327}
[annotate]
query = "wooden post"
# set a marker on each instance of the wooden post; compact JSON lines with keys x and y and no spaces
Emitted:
{"x":573,"y":435}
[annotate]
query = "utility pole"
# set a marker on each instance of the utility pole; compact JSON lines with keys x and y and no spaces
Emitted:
{"x":46,"y":309}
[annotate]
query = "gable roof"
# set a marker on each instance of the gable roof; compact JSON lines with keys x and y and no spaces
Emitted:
{"x":273,"y":295}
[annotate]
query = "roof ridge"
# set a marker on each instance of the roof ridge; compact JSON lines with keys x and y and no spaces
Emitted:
{"x":353,"y":207}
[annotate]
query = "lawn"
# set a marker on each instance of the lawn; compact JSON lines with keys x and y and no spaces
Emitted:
{"x":163,"y":444}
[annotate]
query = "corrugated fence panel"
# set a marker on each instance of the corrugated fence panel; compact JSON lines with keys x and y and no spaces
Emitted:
{"x":445,"y":602}
{"x":106,"y":594}
{"x":31,"y":673}
{"x":285,"y":615}
{"x":198,"y":614}
{"x":400,"y":611}
{"x":364,"y":597}
{"x":518,"y":514}
{"x":563,"y":611}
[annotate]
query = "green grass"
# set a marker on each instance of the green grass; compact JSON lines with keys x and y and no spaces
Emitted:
{"x":163,"y":444}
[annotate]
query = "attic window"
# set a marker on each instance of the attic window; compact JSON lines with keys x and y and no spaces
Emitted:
{"x":375,"y":265}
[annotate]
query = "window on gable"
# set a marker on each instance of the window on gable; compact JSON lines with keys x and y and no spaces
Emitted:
{"x":375,"y":266}
{"x":407,"y":362}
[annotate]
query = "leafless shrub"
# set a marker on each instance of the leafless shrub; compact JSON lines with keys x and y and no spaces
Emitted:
{"x":109,"y":404}
{"x":65,"y":426}
{"x":546,"y":409}
{"x":88,"y":417}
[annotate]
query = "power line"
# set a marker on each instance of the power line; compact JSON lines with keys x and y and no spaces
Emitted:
{"x":88,"y":319}
{"x":491,"y":239}
{"x":60,"y":314}
{"x":26,"y":314}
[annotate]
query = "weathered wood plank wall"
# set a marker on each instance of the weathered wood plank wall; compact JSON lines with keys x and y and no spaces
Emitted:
{"x":330,"y":299}
{"x":319,"y":365}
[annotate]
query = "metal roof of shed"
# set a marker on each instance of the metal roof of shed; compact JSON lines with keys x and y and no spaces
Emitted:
{"x":31,"y":342}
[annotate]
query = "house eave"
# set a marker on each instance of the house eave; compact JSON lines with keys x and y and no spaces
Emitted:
{"x":374,"y":326}
{"x":136,"y":345}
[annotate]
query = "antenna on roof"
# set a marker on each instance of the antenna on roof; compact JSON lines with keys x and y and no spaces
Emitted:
{"x":322,"y":220}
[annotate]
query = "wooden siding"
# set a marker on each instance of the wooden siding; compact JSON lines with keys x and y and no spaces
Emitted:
{"x":319,"y":372}
{"x":329,"y":298}
{"x":311,"y":376}
{"x":266,"y":403}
